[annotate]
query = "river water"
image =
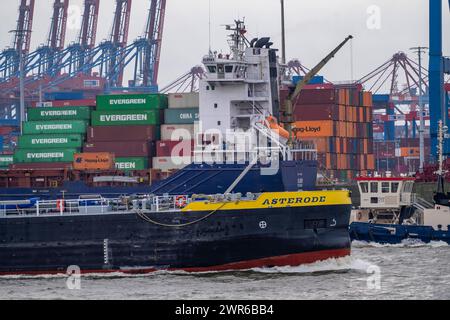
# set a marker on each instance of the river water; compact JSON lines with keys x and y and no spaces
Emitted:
{"x":406,"y":271}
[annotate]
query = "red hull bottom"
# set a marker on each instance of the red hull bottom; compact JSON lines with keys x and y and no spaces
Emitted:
{"x":279,"y":261}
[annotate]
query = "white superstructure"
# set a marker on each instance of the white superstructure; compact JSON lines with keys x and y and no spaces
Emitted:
{"x":240,"y":88}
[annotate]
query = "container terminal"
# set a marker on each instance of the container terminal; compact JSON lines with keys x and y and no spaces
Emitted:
{"x":78,"y":142}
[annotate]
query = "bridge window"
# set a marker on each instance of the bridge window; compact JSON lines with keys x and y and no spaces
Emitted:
{"x":212,"y":69}
{"x":228,"y":69}
{"x":385,"y":187}
{"x":364,"y":187}
{"x":394,"y":187}
{"x":374,"y":187}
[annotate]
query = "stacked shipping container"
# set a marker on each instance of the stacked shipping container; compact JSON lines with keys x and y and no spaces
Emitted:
{"x":339,"y":122}
{"x":175,"y":149}
{"x":127,"y":126}
{"x":51,"y":135}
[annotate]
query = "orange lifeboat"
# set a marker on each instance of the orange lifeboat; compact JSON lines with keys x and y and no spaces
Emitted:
{"x":277,"y":128}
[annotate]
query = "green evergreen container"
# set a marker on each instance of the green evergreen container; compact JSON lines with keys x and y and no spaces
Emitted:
{"x":125,"y":118}
{"x":181,"y":116}
{"x":51,"y":141}
{"x":64,"y":113}
{"x":131,"y":164}
{"x":132,"y":102}
{"x":50,"y":155}
{"x":58,"y":127}
{"x":5,"y":161}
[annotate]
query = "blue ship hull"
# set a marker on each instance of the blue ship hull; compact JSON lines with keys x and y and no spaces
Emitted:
{"x":395,"y":234}
{"x":193,"y":179}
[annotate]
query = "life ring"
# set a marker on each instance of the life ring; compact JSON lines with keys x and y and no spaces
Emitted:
{"x":180,"y":201}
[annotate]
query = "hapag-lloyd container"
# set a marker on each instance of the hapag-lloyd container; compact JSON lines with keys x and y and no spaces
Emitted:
{"x":50,"y":155}
{"x":125,"y":118}
{"x":51,"y":141}
{"x":178,"y":132}
{"x":63,"y":113}
{"x":122,"y":149}
{"x":132,"y":102}
{"x":122,"y":133}
{"x":50,"y":127}
{"x":93,"y":161}
{"x":184,"y":100}
{"x":315,"y":129}
{"x":181,"y":116}
{"x":131,"y":163}
{"x":171,"y":163}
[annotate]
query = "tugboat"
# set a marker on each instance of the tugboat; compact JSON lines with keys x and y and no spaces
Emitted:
{"x":390,"y":213}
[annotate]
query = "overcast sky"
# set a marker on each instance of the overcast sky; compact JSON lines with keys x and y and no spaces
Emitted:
{"x":313,"y":29}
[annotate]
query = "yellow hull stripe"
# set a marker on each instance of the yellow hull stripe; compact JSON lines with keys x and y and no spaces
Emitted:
{"x":278,"y":200}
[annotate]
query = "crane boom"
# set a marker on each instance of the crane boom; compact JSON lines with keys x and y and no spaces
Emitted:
{"x":289,"y":109}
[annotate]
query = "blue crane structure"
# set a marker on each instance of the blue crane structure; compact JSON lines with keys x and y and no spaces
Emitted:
{"x":437,"y":67}
{"x":52,"y":65}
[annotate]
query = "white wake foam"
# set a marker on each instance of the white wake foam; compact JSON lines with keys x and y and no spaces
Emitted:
{"x":407,"y":243}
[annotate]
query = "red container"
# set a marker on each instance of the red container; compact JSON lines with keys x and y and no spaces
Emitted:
{"x":317,"y":96}
{"x":121,"y":133}
{"x":68,"y":103}
{"x":184,"y":148}
{"x":7,"y":130}
{"x":42,"y":166}
{"x":122,"y":149}
{"x":384,"y":149}
{"x":316,"y":112}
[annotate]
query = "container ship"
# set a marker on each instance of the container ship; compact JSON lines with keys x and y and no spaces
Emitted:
{"x":240,"y":191}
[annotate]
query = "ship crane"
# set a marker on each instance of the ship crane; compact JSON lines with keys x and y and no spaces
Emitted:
{"x":289,"y":103}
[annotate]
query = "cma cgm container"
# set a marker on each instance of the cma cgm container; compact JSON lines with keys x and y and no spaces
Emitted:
{"x":181,"y":116}
{"x":51,"y":141}
{"x":48,"y":127}
{"x":5,"y":161}
{"x":50,"y":155}
{"x":93,"y":161}
{"x":125,"y":118}
{"x":132,"y":102}
{"x":122,"y":133}
{"x":131,"y":163}
{"x":184,"y":100}
{"x":122,"y":149}
{"x":64,"y":113}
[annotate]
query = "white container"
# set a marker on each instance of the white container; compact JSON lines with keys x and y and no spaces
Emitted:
{"x":171,"y":163}
{"x":184,"y":100}
{"x":176,"y":132}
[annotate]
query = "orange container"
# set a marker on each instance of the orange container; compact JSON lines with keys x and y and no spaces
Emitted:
{"x":312,"y":129}
{"x":410,"y":152}
{"x":93,"y":161}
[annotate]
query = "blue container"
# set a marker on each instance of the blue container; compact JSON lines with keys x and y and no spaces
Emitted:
{"x":54,"y":96}
{"x":314,"y":80}
{"x":380,"y":98}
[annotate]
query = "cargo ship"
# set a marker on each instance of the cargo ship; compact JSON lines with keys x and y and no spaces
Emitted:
{"x":243,"y":197}
{"x":176,"y":233}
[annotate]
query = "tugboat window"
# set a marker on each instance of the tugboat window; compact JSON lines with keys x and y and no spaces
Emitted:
{"x":385,"y":187}
{"x":394,"y":187}
{"x":228,"y":69}
{"x":374,"y":187}
{"x":212,"y":69}
{"x":364,"y":187}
